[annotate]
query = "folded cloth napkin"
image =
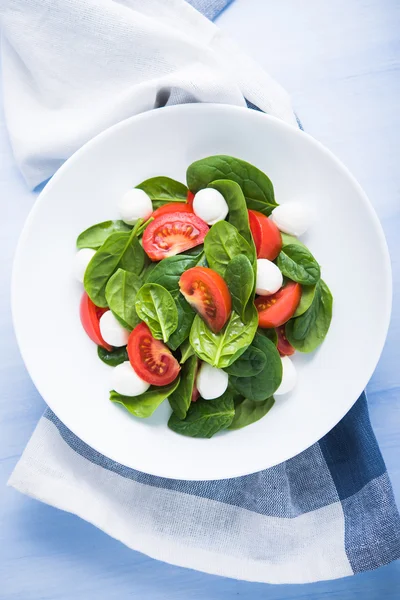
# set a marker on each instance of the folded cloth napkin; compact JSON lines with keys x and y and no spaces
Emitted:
{"x":72,"y":68}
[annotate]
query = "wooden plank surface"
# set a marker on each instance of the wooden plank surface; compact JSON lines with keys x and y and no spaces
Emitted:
{"x":340,"y":61}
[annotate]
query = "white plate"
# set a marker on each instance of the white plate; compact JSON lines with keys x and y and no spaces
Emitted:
{"x":346,"y":238}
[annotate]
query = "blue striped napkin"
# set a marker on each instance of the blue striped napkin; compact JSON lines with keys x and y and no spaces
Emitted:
{"x":327,"y":513}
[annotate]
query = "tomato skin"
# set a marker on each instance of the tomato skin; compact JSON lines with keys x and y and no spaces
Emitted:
{"x":173,"y":233}
{"x":285,"y":348}
{"x":190,"y":198}
{"x":266,"y":235}
{"x":208,"y":294}
{"x":161,"y":367}
{"x":90,"y":316}
{"x":277,"y":309}
{"x":171,"y":207}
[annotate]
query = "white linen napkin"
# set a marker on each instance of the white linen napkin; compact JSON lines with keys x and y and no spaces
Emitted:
{"x":72,"y":68}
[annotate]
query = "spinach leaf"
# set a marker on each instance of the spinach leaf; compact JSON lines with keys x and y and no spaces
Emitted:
{"x":121,"y":290}
{"x":307,"y":296}
{"x":156,"y":307}
{"x":144,"y":405}
{"x":186,"y":351}
{"x":222,"y":243}
{"x":223,"y":348}
{"x":167,"y":273}
{"x":251,"y":363}
{"x":308,"y":331}
{"x":290,"y":239}
{"x":120,"y":250}
{"x":205,"y":417}
{"x":239,"y":277}
{"x":181,"y":398}
{"x":297,"y":263}
{"x":256,"y":186}
{"x":113,"y":357}
{"x":163,"y":190}
{"x":270,"y":334}
{"x":238,"y":215}
{"x":248,"y":412}
{"x":264,"y":384}
{"x":96,"y":235}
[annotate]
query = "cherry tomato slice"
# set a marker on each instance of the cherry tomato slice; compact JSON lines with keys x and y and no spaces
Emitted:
{"x":90,"y":315}
{"x":285,"y":348}
{"x":171,"y":207}
{"x":266,"y":235}
{"x":173,"y":233}
{"x":277,"y":309}
{"x":208,"y":294}
{"x":150,"y":358}
{"x":190,"y":198}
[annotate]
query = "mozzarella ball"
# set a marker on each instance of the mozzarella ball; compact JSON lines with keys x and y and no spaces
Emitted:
{"x":269,"y":278}
{"x":211,"y":382}
{"x":135,"y":204}
{"x":81,"y":261}
{"x":289,"y":377}
{"x":112,"y":331}
{"x":292,"y":218}
{"x":126,"y":382}
{"x":210,"y":205}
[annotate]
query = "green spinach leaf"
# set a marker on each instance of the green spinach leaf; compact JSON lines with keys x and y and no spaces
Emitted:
{"x":96,"y":235}
{"x":291,"y":239}
{"x":144,"y":405}
{"x":223,"y":348}
{"x":308,"y":331}
{"x":250,"y":363}
{"x":186,"y":351}
{"x":238,"y":215}
{"x":270,"y":334}
{"x":248,"y":412}
{"x":256,"y":186}
{"x":121,"y":290}
{"x":307,"y":296}
{"x":205,"y":417}
{"x":239,"y":277}
{"x":167,"y":273}
{"x":222,"y":243}
{"x":113,"y":357}
{"x":181,"y":398}
{"x":297,"y":263}
{"x":120,"y":250}
{"x":156,"y":307}
{"x":264,"y":384}
{"x":163,"y":190}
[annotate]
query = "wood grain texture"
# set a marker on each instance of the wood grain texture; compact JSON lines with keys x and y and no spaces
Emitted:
{"x":340,"y":61}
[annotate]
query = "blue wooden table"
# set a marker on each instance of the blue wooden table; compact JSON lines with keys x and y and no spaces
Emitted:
{"x":340,"y":61}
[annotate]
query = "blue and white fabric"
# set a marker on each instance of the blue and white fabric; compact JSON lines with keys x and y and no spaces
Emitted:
{"x":326,"y":513}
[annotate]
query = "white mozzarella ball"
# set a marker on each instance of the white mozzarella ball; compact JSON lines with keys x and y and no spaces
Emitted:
{"x":135,"y":204}
{"x":292,"y":218}
{"x":210,"y":205}
{"x":112,"y":331}
{"x":81,"y":261}
{"x":269,"y":278}
{"x":211,"y":382}
{"x":289,"y":377}
{"x":126,"y":382}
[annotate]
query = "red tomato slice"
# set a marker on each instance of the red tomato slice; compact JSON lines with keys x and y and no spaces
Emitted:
{"x":277,"y":309}
{"x":285,"y":348}
{"x":150,"y":358}
{"x":90,"y":315}
{"x":171,"y":207}
{"x":173,"y":233}
{"x":190,"y":198}
{"x":266,"y":235}
{"x":209,"y":295}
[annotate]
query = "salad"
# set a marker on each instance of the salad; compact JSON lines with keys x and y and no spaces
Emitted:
{"x":199,"y":294}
